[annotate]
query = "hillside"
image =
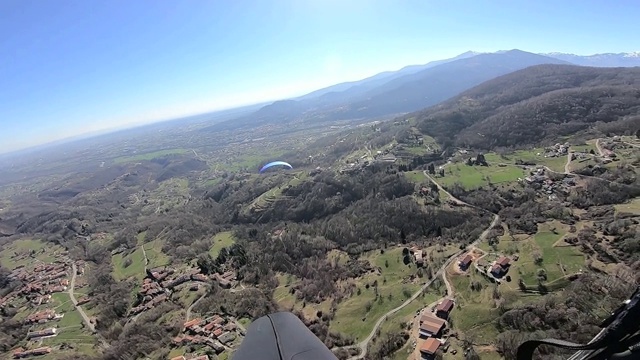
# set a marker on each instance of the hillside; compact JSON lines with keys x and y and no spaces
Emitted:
{"x":537,"y":104}
{"x":398,"y":95}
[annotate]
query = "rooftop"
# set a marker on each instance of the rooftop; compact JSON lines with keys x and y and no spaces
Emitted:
{"x":430,"y":346}
{"x":446,"y":305}
{"x":431,"y":324}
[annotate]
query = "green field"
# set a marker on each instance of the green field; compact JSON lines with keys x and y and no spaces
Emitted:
{"x":578,"y":164}
{"x":559,"y":261}
{"x":473,"y":177}
{"x":554,"y":163}
{"x":136,"y":269}
{"x":416,"y":176}
{"x":41,"y":251}
{"x":219,"y":241}
{"x":475,"y":311}
{"x":149,"y":155}
{"x":584,"y":148}
{"x":352,"y":318}
{"x":543,"y":242}
{"x":71,"y":327}
{"x":155,"y":255}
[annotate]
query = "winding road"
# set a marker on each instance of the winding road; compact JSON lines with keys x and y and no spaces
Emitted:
{"x":363,"y":345}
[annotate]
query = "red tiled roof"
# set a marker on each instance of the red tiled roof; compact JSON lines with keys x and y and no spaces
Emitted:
{"x":193,"y":322}
{"x":431,"y":324}
{"x":496,"y":268}
{"x":446,"y":305}
{"x":430,"y":346}
{"x":466,"y":260}
{"x":503,"y":261}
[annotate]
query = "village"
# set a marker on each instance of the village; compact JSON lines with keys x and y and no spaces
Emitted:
{"x":159,"y":283}
{"x":38,"y":284}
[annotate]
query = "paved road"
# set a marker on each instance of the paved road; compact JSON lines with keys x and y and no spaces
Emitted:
{"x":85,"y":318}
{"x":72,"y":296}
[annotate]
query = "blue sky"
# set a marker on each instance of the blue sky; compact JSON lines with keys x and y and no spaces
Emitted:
{"x":73,"y":66}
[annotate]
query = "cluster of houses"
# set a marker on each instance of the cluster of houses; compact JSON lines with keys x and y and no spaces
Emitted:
{"x":432,"y":327}
{"x":557,"y":150}
{"x":497,"y":270}
{"x":216,"y":332}
{"x":159,"y":283}
{"x":39,"y":283}
{"x":538,"y":179}
{"x":43,"y":316}
{"x":21,"y":353}
{"x":608,"y":146}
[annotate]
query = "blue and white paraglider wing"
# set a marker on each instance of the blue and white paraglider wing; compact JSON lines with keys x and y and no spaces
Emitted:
{"x":275,"y":163}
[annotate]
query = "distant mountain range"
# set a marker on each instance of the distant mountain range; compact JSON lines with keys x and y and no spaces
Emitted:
{"x":406,"y":90}
{"x":600,"y":60}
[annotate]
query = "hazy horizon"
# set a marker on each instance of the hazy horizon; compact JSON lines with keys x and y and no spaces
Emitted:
{"x":95,"y":66}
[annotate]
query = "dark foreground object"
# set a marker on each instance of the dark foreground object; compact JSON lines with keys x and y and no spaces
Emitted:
{"x":281,"y":336}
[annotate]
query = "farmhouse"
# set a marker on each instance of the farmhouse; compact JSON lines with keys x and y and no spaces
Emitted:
{"x":465,"y":262}
{"x":429,"y":348}
{"x":444,"y":308}
{"x":501,"y":266}
{"x":21,"y":353}
{"x":431,"y":326}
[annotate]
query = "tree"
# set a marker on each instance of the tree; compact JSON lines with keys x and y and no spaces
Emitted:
{"x":386,"y":263}
{"x":522,"y":285}
{"x":406,"y":293}
{"x":471,"y":354}
{"x":542,"y":275}
{"x":537,"y":257}
{"x":206,"y":264}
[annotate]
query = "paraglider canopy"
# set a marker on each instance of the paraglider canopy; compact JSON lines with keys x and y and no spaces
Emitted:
{"x":275,"y":163}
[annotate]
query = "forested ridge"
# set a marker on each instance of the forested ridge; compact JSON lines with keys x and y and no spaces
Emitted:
{"x":540,"y":103}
